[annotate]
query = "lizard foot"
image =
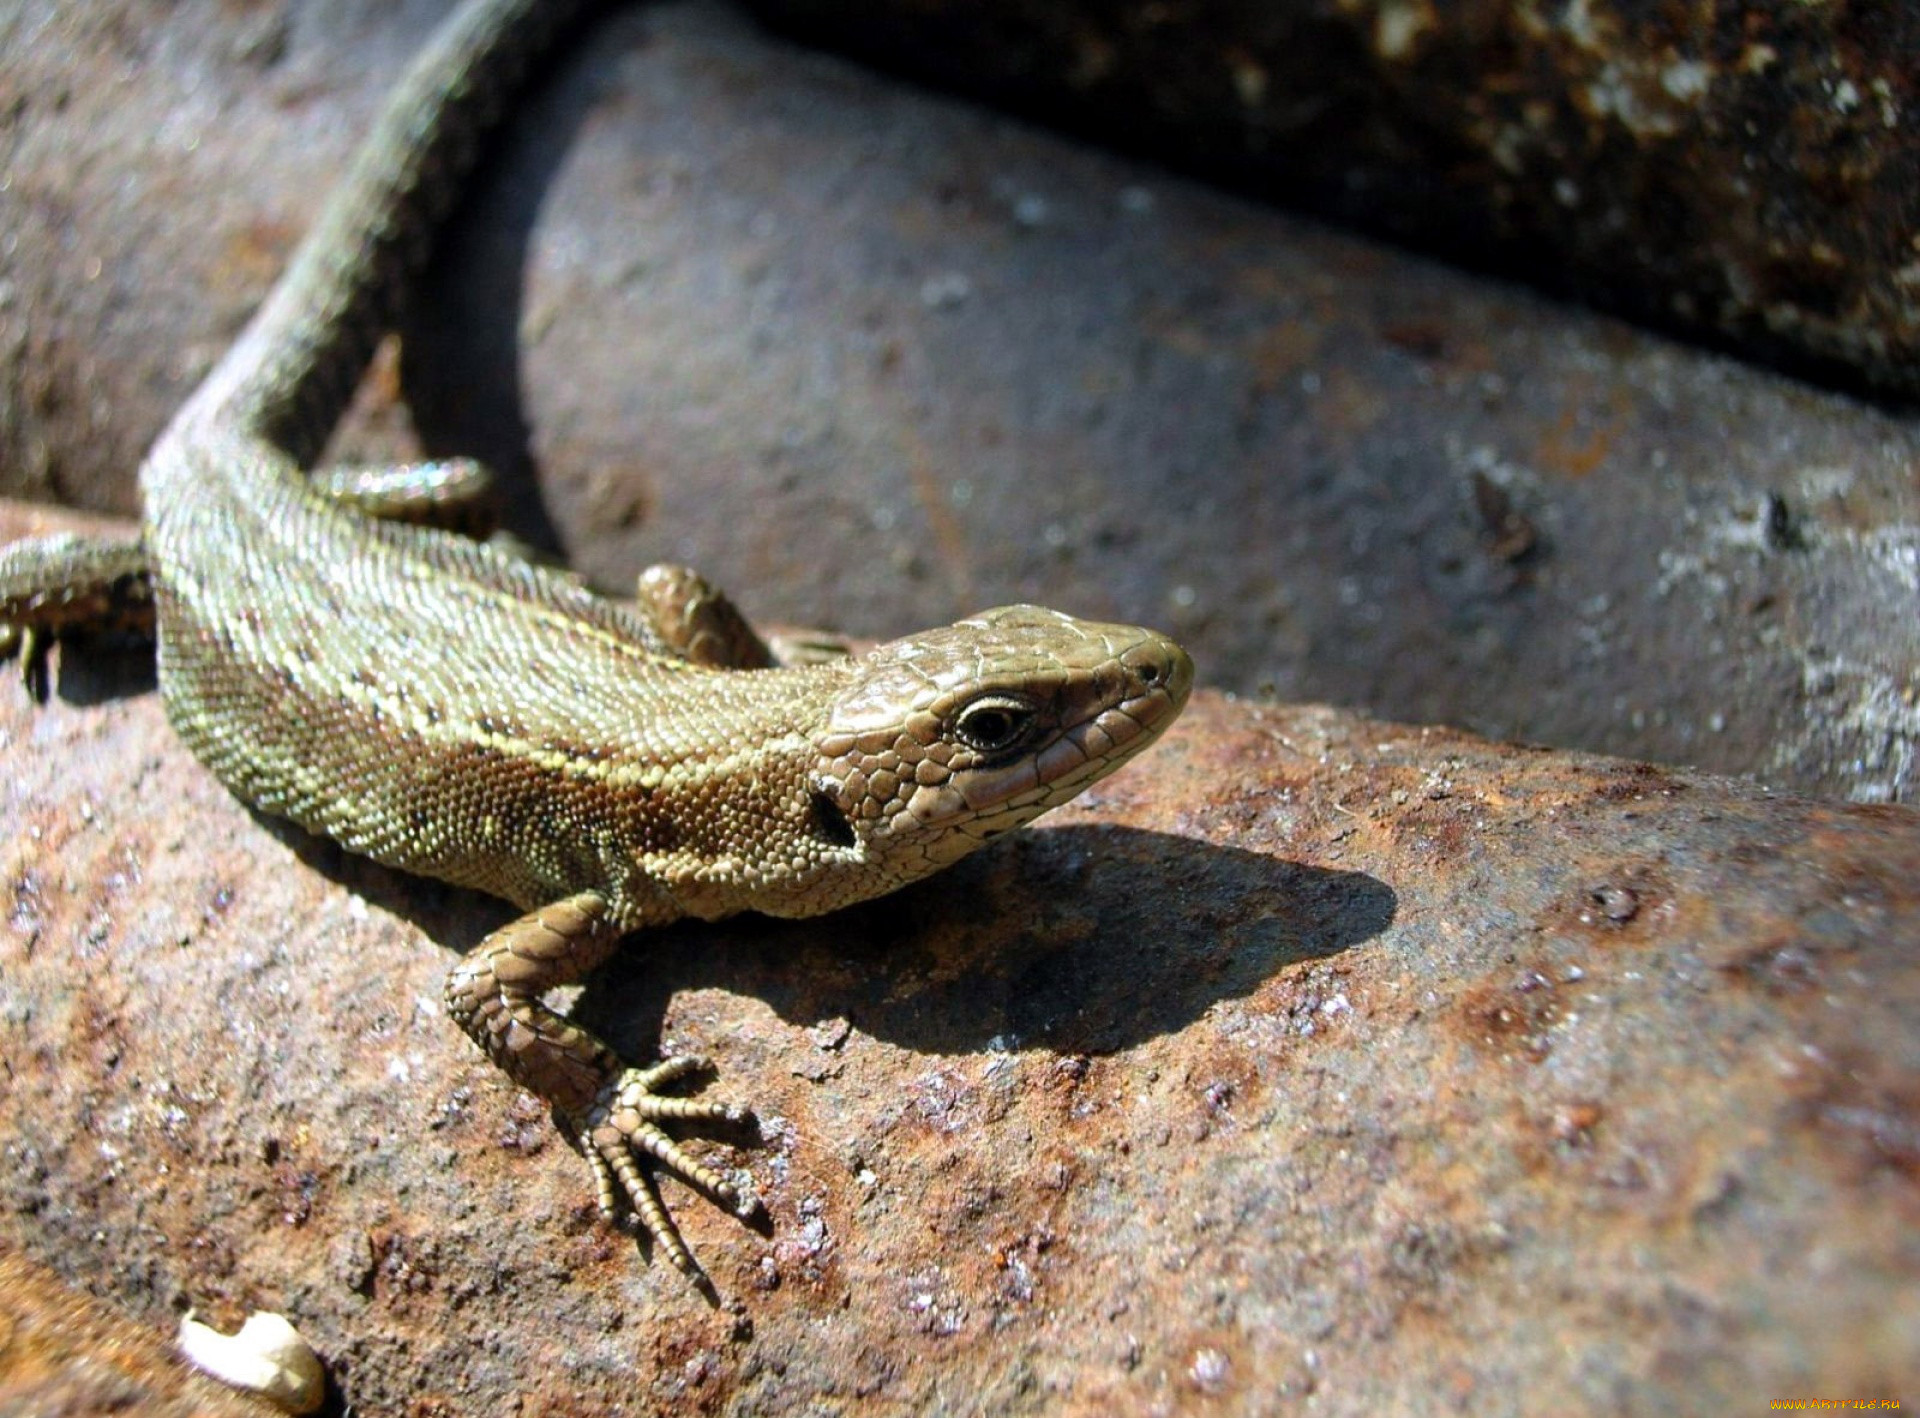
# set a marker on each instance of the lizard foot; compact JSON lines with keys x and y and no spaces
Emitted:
{"x":53,"y":586}
{"x":622,"y":1125}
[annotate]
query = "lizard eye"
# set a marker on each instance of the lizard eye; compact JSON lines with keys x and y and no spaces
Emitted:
{"x":993,"y":723}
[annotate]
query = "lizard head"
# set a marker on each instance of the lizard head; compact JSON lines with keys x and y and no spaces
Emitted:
{"x":947,"y":739}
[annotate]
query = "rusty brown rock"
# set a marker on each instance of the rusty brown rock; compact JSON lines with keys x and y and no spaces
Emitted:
{"x":1311,"y":1059}
{"x":1741,"y":173}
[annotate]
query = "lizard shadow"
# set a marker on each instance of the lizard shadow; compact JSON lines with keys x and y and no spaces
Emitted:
{"x":95,"y":669}
{"x":461,"y":328}
{"x":1079,"y":939}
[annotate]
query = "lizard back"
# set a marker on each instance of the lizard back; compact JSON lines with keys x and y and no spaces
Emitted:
{"x":354,"y":675}
{"x":448,"y":709}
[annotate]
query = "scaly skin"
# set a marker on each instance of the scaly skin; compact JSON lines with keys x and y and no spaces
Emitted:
{"x":448,"y":709}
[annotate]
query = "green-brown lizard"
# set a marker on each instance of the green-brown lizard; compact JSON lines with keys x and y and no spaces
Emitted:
{"x":450,"y":709}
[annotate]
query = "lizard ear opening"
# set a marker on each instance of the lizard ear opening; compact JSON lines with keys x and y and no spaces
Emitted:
{"x":829,"y":821}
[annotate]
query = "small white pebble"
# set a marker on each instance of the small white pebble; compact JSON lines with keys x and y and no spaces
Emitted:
{"x":267,"y":1357}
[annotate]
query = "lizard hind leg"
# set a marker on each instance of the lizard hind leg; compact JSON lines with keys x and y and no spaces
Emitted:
{"x":451,"y":494}
{"x":70,"y":584}
{"x":460,"y":496}
{"x":612,"y":1111}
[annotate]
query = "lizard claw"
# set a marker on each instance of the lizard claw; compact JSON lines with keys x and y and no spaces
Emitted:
{"x":622,"y":1125}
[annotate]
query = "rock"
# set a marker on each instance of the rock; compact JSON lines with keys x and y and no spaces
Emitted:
{"x":1312,"y":1058}
{"x":1740,"y":174}
{"x":1309,"y":1058}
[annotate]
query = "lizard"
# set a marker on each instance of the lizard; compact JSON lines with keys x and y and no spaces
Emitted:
{"x":454,"y":710}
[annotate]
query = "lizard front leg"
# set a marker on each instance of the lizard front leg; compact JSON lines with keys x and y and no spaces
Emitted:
{"x":700,"y":621}
{"x":613,"y":1111}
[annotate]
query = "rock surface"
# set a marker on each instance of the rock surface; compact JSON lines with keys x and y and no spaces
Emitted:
{"x":873,"y":360}
{"x":1745,"y":173}
{"x":1311,"y":1064}
{"x":1314,"y":1062}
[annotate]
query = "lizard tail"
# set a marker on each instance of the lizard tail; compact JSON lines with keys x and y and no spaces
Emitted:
{"x":288,"y":378}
